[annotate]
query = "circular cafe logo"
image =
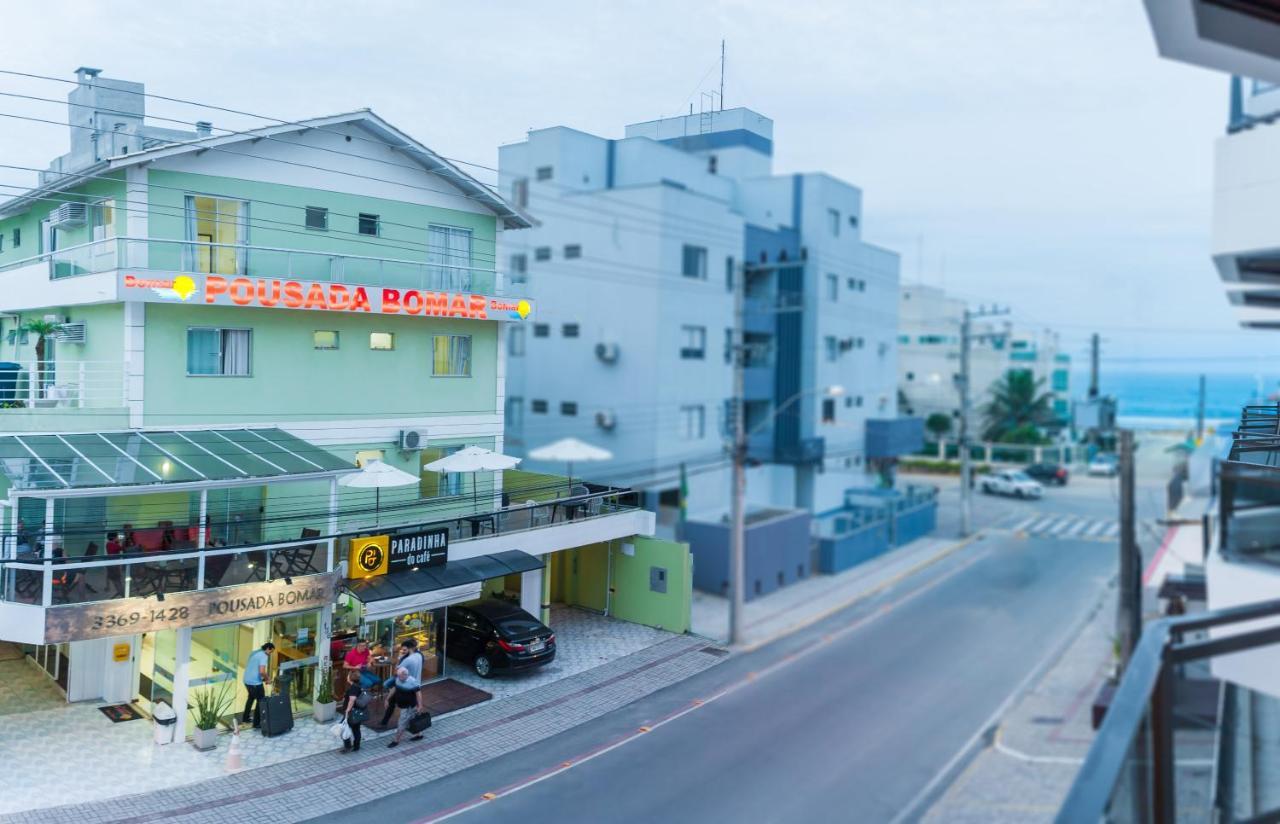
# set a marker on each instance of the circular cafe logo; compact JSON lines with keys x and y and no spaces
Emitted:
{"x":371,"y":558}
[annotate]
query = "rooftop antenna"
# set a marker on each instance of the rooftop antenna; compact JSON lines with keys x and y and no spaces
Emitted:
{"x":722,"y":74}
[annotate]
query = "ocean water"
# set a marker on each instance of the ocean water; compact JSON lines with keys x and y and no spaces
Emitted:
{"x":1167,"y":400}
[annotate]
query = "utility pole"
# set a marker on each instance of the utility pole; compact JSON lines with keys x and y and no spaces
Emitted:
{"x":1200,"y":413}
{"x":738,"y":447}
{"x":1129,"y":608}
{"x":966,"y":458}
{"x":1095,"y":349}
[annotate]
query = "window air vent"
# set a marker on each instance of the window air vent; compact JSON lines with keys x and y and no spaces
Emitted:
{"x":69,"y":215}
{"x":607,"y":352}
{"x":410,"y":440}
{"x":70,"y":333}
{"x":605,"y":419}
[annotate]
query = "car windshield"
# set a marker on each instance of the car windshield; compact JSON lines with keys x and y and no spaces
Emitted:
{"x":1020,"y":476}
{"x":517,"y":625}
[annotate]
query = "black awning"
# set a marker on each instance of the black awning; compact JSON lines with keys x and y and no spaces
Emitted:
{"x":451,"y":574}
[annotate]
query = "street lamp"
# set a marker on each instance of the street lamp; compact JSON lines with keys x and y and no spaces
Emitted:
{"x":738,"y":511}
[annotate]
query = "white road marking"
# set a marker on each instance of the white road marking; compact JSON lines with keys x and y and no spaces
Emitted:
{"x":1112,"y":530}
{"x":1097,"y":528}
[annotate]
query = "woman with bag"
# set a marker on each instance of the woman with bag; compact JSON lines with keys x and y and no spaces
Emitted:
{"x":354,"y":713}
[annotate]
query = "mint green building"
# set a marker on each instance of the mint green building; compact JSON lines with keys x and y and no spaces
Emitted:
{"x":203,"y":339}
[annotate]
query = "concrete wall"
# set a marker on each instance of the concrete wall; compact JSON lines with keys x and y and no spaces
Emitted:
{"x":777,"y":553}
{"x":634,"y":599}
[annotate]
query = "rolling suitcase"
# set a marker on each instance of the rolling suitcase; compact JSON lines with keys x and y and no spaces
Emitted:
{"x":277,"y":711}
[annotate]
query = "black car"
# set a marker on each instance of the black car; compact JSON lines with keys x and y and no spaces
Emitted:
{"x":495,"y":635}
{"x":1048,"y":473}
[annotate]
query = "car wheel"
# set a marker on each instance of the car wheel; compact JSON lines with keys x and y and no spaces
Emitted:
{"x":1018,"y":493}
{"x":483,"y":667}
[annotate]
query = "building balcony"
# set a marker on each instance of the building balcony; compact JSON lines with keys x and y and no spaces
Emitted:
{"x":58,"y":395}
{"x":41,"y":575}
{"x":92,"y":272}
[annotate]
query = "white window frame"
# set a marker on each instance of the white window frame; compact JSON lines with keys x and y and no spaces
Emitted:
{"x":222,"y":352}
{"x":515,"y":341}
{"x":693,"y":342}
{"x":701,"y":258}
{"x":693,"y":422}
{"x":337,"y":340}
{"x":391,"y":338}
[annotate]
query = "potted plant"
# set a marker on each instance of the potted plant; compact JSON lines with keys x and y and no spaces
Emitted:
{"x":325,"y":707}
{"x":210,"y":705}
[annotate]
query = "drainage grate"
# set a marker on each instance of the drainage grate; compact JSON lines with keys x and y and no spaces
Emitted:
{"x":1046,"y":719}
{"x":716,"y":651}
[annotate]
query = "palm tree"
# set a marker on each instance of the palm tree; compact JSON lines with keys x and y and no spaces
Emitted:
{"x":1016,"y":404}
{"x":41,"y":329}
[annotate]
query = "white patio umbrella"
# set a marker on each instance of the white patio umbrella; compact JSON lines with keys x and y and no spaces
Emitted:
{"x":570,"y":451}
{"x":377,"y":476}
{"x":472,"y":459}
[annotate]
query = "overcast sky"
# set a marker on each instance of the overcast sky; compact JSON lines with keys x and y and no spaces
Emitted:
{"x":1038,"y":154}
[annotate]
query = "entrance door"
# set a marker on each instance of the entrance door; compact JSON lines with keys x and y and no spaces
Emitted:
{"x":157,"y":661}
{"x":220,"y":228}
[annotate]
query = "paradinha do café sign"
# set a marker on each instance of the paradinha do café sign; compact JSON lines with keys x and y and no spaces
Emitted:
{"x":282,"y":293}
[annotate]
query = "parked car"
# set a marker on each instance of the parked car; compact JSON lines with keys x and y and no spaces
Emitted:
{"x":1049,"y":474}
{"x":495,"y":636}
{"x":1105,"y":466}
{"x":1015,"y":484}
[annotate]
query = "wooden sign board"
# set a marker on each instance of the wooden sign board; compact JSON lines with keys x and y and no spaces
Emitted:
{"x":198,"y":608}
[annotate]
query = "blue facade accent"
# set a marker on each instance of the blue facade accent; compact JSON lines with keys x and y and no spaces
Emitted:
{"x":769,"y":245}
{"x":797,"y":201}
{"x":891,"y":437}
{"x":872,"y":522}
{"x":777,"y":552}
{"x":611,"y":154}
{"x":722,"y":140}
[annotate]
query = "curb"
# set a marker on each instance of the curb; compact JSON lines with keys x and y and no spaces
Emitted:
{"x":877,"y":589}
{"x":987,"y":733}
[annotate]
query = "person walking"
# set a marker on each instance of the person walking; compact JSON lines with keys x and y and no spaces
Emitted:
{"x":405,"y":696}
{"x":255,"y":678}
{"x":406,"y":660}
{"x":354,"y":713}
{"x":412,"y":660}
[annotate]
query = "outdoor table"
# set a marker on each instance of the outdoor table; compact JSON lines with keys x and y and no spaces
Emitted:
{"x":477,"y":520}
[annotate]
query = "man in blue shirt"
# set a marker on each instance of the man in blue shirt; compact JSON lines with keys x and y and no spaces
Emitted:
{"x":255,"y":676}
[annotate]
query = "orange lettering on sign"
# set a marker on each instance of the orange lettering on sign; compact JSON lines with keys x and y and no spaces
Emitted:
{"x":435,"y":303}
{"x":293,"y":294}
{"x":477,"y":308}
{"x":361,"y":301}
{"x":459,"y":307}
{"x":339,"y":299}
{"x":413,"y":302}
{"x":316,"y":298}
{"x":214,"y":286}
{"x":265,"y":299}
{"x":241,"y":291}
{"x":390,"y":301}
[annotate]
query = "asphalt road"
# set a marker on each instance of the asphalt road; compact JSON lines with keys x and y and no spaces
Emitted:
{"x":848,"y":720}
{"x":845,"y":721}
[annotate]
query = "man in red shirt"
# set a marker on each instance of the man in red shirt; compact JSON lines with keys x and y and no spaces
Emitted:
{"x":357,"y":658}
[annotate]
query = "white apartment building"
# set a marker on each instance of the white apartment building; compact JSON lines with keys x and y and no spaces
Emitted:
{"x":929,"y":356}
{"x":633,"y":260}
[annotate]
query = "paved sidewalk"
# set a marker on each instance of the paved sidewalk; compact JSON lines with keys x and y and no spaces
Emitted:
{"x":1039,"y":745}
{"x":808,"y":601}
{"x":331,"y":781}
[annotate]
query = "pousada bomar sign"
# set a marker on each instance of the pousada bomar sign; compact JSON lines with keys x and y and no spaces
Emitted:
{"x":286,"y":293}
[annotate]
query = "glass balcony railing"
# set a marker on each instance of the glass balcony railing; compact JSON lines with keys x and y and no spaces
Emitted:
{"x":27,"y":576}
{"x":231,"y":260}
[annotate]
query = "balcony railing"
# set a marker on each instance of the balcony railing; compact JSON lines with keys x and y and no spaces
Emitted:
{"x":232,"y":259}
{"x":30,"y":578}
{"x":62,"y":384}
{"x":1132,"y":771}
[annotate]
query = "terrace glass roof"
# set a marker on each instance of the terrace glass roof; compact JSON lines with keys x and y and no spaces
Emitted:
{"x":138,"y":458}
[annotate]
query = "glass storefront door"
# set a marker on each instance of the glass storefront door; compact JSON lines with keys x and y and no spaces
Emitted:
{"x":157,"y":659}
{"x":426,"y":627}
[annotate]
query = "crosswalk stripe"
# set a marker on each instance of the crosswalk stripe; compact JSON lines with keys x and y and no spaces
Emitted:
{"x":1077,"y":528}
{"x":1039,"y":526}
{"x":1112,"y":530}
{"x":1067,"y":528}
{"x":1097,"y":528}
{"x":1023,"y":524}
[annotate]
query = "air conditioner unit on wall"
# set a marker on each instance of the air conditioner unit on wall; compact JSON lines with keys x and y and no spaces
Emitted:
{"x":69,"y":216}
{"x":607,"y":352}
{"x":605,"y":419}
{"x":70,"y":333}
{"x":410,"y":440}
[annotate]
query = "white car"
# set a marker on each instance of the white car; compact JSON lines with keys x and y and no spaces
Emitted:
{"x":1015,"y":484}
{"x":1104,"y":466}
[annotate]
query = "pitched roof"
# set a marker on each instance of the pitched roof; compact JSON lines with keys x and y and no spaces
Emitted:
{"x":512,"y":218}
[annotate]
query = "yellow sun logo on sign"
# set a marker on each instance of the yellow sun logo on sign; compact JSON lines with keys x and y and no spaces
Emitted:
{"x":523,"y":308}
{"x":184,"y":286}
